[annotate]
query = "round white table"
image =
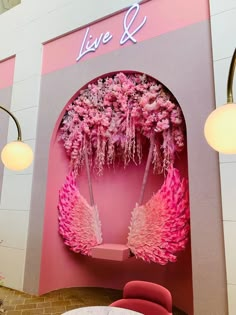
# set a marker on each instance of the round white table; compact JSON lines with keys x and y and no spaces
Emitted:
{"x":101,"y":310}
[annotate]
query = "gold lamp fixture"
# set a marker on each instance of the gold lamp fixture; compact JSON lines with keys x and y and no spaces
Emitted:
{"x":220,"y":126}
{"x":16,"y":155}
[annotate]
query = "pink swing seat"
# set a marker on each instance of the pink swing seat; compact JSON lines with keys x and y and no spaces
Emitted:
{"x":118,"y":252}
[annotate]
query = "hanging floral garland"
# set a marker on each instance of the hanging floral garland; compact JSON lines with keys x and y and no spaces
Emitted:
{"x":111,"y":116}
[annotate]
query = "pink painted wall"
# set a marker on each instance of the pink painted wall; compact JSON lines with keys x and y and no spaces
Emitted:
{"x":7,"y":67}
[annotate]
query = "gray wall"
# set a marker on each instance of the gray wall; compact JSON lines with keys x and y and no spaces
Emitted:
{"x":182,"y":61}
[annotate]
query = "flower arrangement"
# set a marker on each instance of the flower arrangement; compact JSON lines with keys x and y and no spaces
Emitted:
{"x":111,"y":116}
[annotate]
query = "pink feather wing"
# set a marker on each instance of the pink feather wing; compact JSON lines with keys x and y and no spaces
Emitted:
{"x":79,"y":224}
{"x":159,"y":229}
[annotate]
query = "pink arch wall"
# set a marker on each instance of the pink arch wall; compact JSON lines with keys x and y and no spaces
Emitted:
{"x":116,"y":193}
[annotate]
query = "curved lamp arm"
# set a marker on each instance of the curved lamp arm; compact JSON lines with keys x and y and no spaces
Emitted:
{"x":230,"y":98}
{"x":19,"y":138}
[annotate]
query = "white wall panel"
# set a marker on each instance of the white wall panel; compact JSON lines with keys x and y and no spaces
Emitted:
{"x":232,"y":299}
{"x":25,"y":93}
{"x":28,"y":63}
{"x":28,"y":121}
{"x":221,"y":69}
{"x":228,"y":188}
{"x":223,"y":27}
{"x":12,"y":266}
{"x":17,"y":221}
{"x":230,"y":250}
{"x":16,"y":192}
{"x":227,"y":158}
{"x":219,"y":6}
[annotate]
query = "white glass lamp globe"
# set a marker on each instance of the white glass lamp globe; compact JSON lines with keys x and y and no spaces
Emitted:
{"x":220,"y":129}
{"x":17,"y":155}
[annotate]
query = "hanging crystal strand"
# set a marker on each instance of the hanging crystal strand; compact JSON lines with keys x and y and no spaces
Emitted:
{"x":88,"y":175}
{"x":157,"y":158}
{"x":97,"y":156}
{"x":139,"y":148}
{"x":127,"y":140}
{"x":89,"y":148}
{"x":133,"y":140}
{"x":110,"y":153}
{"x":168,"y":150}
{"x":95,"y":223}
{"x":100,"y":154}
{"x":147,"y":168}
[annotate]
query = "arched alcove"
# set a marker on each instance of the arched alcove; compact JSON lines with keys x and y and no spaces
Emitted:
{"x":116,"y":192}
{"x":148,"y":110}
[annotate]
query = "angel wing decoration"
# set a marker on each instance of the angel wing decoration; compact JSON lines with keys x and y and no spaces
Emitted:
{"x":160,"y":228}
{"x":79,"y":224}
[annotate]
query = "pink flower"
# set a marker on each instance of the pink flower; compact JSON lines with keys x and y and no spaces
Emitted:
{"x":176,"y":116}
{"x":152,"y":106}
{"x":143,"y":100}
{"x":162,"y":125}
{"x":162,"y":114}
{"x":120,"y":110}
{"x":169,"y":106}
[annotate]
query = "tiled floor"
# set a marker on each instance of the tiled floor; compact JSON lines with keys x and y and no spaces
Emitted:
{"x":56,"y":302}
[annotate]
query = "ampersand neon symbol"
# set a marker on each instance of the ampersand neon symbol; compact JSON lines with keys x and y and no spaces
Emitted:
{"x":127,"y":35}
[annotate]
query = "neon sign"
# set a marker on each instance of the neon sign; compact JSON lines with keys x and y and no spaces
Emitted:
{"x":90,"y":44}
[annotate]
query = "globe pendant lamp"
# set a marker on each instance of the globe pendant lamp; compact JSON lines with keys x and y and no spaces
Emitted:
{"x":16,"y":155}
{"x":220,"y":126}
